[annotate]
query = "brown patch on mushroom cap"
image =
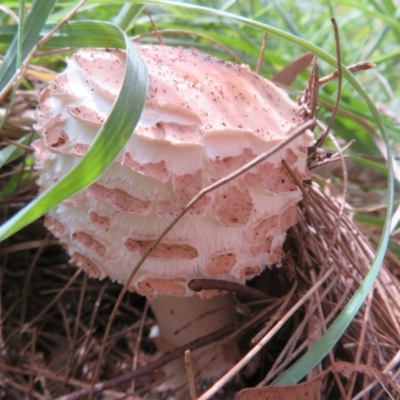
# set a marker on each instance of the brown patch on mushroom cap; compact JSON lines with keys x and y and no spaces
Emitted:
{"x":276,"y":254}
{"x":273,"y":179}
{"x":291,"y":157}
{"x":232,"y":205}
{"x":54,"y":135}
{"x":60,"y":87}
{"x":42,"y":155}
{"x":55,"y":226}
{"x":248,"y":271}
{"x":260,"y":231}
{"x":86,"y":114}
{"x":156,"y":170}
{"x":89,"y":241}
{"x":44,"y":106}
{"x":221,"y":264}
{"x":79,"y":149}
{"x":162,"y":250}
{"x":119,"y":199}
{"x":224,"y":166}
{"x":264,"y":247}
{"x":289,"y":217}
{"x":101,"y":221}
{"x":168,"y":209}
{"x":187,"y":186}
{"x":150,"y":287}
{"x":85,"y":263}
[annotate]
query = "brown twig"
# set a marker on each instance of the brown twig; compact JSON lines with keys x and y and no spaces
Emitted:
{"x":262,"y":51}
{"x":155,"y":30}
{"x":360,"y":66}
{"x":137,"y":346}
{"x":190,"y":376}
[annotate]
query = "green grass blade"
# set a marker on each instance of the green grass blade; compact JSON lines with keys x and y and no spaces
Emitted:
{"x":86,"y":34}
{"x":128,"y":15}
{"x":20,"y":180}
{"x":119,"y":126}
{"x":11,"y":152}
{"x":34,"y":23}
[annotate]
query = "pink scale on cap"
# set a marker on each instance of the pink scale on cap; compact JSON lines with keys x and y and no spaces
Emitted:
{"x":276,"y":254}
{"x":85,"y":263}
{"x":42,"y":155}
{"x":222,"y":167}
{"x":233,"y":205}
{"x":89,"y":241}
{"x":151,"y":286}
{"x":101,"y":221}
{"x":54,"y":136}
{"x":289,"y":217}
{"x":56,"y":227}
{"x":269,"y":177}
{"x":156,"y":170}
{"x":249,"y":271}
{"x":162,"y":250}
{"x":167,"y":209}
{"x":187,"y":186}
{"x":119,"y":199}
{"x":79,"y":149}
{"x":200,"y":207}
{"x":86,"y":114}
{"x":261,"y":230}
{"x":60,"y":87}
{"x":221,"y":264}
{"x":264,"y":247}
{"x":291,"y":156}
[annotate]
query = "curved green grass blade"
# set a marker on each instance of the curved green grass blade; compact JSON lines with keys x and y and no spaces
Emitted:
{"x":86,"y":34}
{"x":107,"y":144}
{"x":34,"y":23}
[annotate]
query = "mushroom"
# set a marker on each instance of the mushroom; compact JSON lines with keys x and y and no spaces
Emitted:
{"x":203,"y":119}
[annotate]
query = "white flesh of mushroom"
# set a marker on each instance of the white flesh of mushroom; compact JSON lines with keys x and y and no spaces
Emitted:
{"x":203,"y":119}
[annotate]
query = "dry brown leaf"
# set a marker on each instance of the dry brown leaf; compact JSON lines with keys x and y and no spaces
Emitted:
{"x":302,"y":391}
{"x":289,"y":73}
{"x":309,"y":390}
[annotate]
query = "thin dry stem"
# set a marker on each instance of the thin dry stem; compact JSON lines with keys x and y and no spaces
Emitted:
{"x":190,"y":376}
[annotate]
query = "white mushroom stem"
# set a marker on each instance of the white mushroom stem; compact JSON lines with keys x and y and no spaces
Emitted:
{"x":198,"y":318}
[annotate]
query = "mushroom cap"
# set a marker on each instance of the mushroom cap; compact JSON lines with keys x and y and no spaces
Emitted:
{"x":203,"y":119}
